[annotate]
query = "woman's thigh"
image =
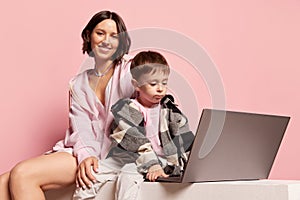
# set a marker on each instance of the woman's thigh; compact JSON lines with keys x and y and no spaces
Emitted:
{"x":49,"y":171}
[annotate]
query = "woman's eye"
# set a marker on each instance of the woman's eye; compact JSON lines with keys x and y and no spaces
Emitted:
{"x":99,"y":33}
{"x":115,"y":36}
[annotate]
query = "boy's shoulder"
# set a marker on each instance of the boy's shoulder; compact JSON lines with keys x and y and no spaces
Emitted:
{"x":125,"y":110}
{"x":168,"y":102}
{"x":168,"y":98}
{"x":123,"y":104}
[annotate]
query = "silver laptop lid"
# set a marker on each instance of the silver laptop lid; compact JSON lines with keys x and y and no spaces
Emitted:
{"x":234,"y":146}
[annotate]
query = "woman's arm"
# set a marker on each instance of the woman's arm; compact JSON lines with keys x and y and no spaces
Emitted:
{"x":83,"y":140}
{"x":81,"y":135}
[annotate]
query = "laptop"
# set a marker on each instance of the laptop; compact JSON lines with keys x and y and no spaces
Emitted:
{"x":232,"y":145}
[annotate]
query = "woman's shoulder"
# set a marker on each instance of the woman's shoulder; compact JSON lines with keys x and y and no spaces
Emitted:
{"x":125,"y":61}
{"x":79,"y":80}
{"x":126,"y":58}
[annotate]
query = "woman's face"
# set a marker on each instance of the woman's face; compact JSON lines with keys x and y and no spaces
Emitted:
{"x":104,"y":39}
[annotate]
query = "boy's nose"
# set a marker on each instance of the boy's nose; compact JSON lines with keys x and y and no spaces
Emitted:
{"x":159,"y":87}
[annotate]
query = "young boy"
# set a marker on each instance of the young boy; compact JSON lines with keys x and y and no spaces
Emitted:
{"x":149,"y":133}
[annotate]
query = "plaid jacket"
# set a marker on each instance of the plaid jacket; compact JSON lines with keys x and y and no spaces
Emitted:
{"x":175,"y":136}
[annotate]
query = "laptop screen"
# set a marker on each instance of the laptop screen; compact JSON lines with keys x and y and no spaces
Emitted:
{"x":234,"y":146}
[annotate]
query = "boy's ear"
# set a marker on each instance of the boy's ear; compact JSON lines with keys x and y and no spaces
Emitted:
{"x":135,"y":84}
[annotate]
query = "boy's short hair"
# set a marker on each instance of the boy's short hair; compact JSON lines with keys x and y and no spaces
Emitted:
{"x":148,"y":62}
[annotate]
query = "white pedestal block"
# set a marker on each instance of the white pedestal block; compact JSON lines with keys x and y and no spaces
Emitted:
{"x":226,"y":190}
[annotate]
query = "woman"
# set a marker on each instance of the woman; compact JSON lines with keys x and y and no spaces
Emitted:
{"x":92,"y":93}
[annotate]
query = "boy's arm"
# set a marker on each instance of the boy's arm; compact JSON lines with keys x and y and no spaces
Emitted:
{"x":129,"y":133}
{"x":154,"y":172}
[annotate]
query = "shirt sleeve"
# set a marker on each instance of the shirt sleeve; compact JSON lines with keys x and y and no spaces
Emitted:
{"x":129,"y":134}
{"x":81,"y":135}
{"x":125,"y":78}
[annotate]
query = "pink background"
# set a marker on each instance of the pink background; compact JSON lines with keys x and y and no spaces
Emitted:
{"x":254,"y":44}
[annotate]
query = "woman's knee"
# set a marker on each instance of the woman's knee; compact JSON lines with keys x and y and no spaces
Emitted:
{"x":4,"y":178}
{"x":16,"y":172}
{"x":22,"y":171}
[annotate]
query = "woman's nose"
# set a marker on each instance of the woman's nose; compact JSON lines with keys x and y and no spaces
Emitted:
{"x":106,"y":39}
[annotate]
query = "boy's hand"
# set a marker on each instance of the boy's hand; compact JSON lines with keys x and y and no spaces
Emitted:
{"x":154,"y":172}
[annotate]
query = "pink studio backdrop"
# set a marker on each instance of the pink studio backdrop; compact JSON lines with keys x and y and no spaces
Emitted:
{"x":254,"y":45}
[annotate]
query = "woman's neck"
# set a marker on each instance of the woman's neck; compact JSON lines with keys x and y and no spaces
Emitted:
{"x":101,"y":65}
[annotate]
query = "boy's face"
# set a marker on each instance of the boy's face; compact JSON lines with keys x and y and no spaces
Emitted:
{"x":152,"y":88}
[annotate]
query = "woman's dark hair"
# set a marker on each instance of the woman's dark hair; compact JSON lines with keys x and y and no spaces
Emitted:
{"x":124,"y":39}
{"x":148,"y":62}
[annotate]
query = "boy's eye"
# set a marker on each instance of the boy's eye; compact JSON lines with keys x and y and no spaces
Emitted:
{"x":153,"y":84}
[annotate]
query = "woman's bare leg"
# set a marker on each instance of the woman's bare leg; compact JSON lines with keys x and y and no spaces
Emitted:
{"x":4,"y":190}
{"x":30,"y":178}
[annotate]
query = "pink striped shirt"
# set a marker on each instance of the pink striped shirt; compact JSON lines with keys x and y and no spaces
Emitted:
{"x":90,"y":120}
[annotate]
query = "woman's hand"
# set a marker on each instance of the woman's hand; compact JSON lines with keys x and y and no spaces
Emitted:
{"x":84,"y":176}
{"x":154,"y":172}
